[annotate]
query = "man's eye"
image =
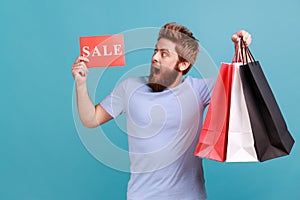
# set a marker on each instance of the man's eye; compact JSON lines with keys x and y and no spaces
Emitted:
{"x":164,"y":54}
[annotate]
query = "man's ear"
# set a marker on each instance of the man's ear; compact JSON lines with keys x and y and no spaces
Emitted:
{"x":183,"y":65}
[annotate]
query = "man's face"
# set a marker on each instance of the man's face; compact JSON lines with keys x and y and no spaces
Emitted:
{"x":163,"y":66}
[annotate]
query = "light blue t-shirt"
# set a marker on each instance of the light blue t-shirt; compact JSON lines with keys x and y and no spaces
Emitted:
{"x":163,"y":130}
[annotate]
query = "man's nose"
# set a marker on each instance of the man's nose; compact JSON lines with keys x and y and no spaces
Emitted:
{"x":155,"y":57}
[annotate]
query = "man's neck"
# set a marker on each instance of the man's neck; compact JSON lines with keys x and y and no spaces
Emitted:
{"x":176,"y":82}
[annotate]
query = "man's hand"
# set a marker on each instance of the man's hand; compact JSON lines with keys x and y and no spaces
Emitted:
{"x":241,"y":34}
{"x":79,"y":70}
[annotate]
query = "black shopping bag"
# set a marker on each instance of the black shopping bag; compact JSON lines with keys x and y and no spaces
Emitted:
{"x":271,"y":135}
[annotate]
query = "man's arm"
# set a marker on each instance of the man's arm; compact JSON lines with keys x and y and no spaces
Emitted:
{"x":91,"y":116}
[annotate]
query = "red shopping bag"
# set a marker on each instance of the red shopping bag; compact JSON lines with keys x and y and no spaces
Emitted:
{"x":213,"y":137}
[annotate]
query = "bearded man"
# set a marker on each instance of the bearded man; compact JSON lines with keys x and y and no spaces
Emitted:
{"x":164,"y":114}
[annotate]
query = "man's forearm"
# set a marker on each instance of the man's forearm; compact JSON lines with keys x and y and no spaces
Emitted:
{"x":86,"y":108}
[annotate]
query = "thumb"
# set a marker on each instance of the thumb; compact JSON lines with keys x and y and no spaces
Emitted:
{"x":235,"y":38}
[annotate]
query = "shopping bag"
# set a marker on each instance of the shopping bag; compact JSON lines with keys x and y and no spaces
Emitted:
{"x":240,"y":142}
{"x":213,"y":137}
{"x":271,"y":135}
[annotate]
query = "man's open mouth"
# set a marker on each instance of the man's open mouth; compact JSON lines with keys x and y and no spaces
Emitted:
{"x":156,"y":70}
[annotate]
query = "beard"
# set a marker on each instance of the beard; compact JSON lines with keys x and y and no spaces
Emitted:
{"x":159,"y":80}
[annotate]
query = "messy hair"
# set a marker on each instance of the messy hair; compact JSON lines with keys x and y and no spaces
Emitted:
{"x":187,"y":46}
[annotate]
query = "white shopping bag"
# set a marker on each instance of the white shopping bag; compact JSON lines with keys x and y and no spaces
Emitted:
{"x":240,"y":143}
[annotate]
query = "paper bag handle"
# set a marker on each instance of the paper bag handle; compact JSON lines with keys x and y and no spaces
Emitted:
{"x":247,"y":52}
{"x":237,"y":55}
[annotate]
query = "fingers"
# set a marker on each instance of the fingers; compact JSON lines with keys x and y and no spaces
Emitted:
{"x":235,"y":38}
{"x":242,"y":34}
{"x":246,"y":37}
{"x":79,"y":69}
{"x":81,"y":58}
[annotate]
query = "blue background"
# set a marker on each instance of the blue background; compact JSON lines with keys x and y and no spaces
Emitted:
{"x":41,"y":154}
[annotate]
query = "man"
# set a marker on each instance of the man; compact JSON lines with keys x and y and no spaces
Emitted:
{"x":164,"y":113}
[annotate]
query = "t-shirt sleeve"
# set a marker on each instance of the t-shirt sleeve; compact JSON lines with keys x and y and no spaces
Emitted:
{"x":204,"y":88}
{"x":114,"y":103}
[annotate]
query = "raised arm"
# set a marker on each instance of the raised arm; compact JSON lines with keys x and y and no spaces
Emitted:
{"x":90,"y":115}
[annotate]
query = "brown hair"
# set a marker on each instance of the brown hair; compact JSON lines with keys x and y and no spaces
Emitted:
{"x":187,"y":45}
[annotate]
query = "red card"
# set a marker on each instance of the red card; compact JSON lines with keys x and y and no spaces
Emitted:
{"x":103,"y":51}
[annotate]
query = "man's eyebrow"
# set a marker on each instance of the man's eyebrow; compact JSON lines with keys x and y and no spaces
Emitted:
{"x":165,"y":50}
{"x":162,"y":49}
